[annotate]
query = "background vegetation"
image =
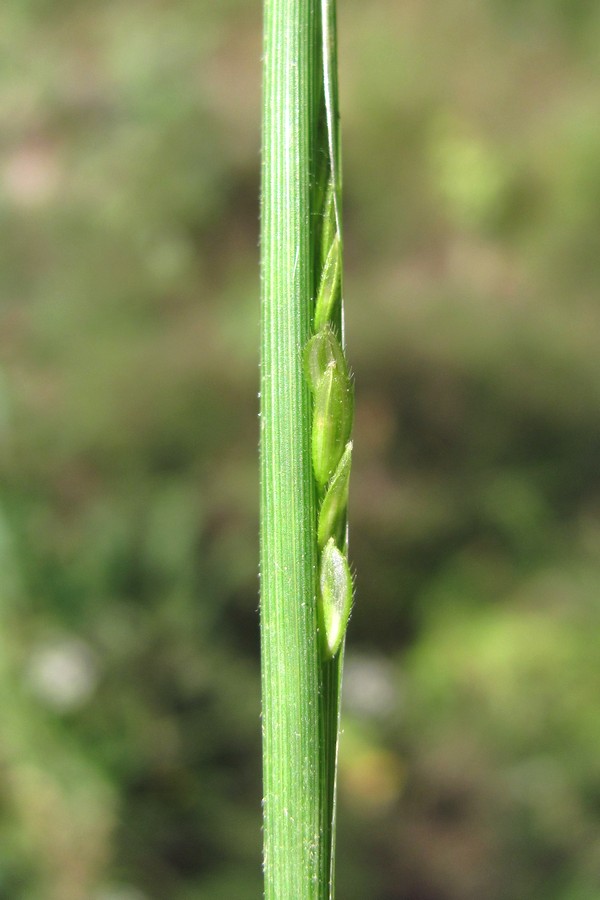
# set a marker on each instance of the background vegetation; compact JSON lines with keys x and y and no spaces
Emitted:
{"x":129,"y":695}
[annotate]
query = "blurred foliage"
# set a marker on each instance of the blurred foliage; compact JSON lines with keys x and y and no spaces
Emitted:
{"x":129,"y":671}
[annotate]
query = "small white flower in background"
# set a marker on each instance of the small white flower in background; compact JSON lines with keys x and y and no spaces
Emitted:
{"x":63,"y":673}
{"x":370,"y":688}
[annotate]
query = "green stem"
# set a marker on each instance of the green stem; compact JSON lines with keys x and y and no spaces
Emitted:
{"x":301,"y":691}
{"x":297,"y":822}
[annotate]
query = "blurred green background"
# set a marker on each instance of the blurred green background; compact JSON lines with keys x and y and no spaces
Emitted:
{"x":129,"y":670}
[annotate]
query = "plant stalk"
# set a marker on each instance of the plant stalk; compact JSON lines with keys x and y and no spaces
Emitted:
{"x":300,"y":691}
